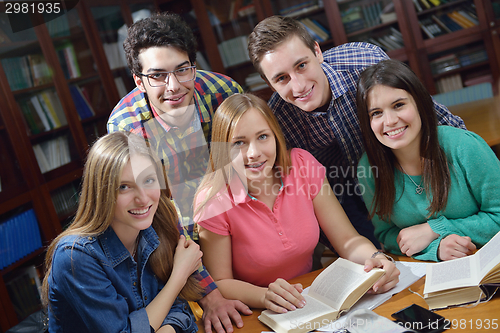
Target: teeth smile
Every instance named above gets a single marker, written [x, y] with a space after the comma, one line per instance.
[139, 211]
[255, 165]
[396, 131]
[306, 94]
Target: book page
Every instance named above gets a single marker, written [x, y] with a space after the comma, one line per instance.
[293, 319]
[463, 272]
[489, 255]
[338, 281]
[451, 274]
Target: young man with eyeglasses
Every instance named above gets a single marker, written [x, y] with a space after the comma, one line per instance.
[172, 107]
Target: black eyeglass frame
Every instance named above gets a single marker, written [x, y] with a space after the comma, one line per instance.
[165, 82]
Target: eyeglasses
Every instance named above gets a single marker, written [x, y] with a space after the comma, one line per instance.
[183, 74]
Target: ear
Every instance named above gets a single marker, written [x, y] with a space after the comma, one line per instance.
[317, 52]
[139, 83]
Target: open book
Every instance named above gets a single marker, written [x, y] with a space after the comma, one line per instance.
[461, 281]
[333, 291]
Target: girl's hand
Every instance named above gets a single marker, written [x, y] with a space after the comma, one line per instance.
[390, 278]
[455, 246]
[414, 239]
[187, 257]
[282, 296]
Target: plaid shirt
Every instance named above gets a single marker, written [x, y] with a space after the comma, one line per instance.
[184, 154]
[334, 137]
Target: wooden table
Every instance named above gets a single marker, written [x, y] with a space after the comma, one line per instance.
[469, 318]
[481, 117]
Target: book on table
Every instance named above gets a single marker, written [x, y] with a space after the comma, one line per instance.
[333, 291]
[464, 280]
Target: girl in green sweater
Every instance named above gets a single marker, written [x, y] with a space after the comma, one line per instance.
[433, 192]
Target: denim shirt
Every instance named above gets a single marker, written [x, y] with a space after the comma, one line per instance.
[96, 286]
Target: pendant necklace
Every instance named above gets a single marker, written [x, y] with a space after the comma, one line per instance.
[419, 188]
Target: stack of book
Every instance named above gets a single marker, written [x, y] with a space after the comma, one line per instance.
[24, 292]
[315, 29]
[352, 19]
[19, 236]
[43, 112]
[52, 154]
[449, 83]
[444, 64]
[391, 41]
[255, 82]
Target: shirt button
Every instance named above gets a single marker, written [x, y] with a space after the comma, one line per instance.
[281, 234]
[134, 283]
[145, 298]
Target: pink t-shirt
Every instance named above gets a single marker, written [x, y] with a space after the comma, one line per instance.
[266, 244]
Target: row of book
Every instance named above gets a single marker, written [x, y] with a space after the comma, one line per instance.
[437, 25]
[58, 27]
[19, 236]
[24, 291]
[421, 5]
[27, 71]
[393, 40]
[52, 154]
[449, 83]
[461, 59]
[67, 58]
[358, 17]
[81, 98]
[43, 112]
[301, 8]
[234, 51]
[315, 29]
[115, 55]
[65, 199]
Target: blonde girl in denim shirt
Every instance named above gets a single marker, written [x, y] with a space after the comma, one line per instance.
[121, 265]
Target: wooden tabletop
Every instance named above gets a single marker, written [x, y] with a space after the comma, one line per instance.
[481, 117]
[461, 319]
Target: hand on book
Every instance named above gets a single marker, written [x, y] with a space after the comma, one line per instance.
[414, 239]
[390, 278]
[455, 246]
[282, 296]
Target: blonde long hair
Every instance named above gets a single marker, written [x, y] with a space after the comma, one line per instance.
[220, 171]
[101, 179]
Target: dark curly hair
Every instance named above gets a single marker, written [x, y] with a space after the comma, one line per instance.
[161, 29]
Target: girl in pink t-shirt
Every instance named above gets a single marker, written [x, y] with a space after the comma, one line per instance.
[261, 210]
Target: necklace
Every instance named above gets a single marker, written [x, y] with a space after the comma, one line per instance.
[419, 188]
[135, 247]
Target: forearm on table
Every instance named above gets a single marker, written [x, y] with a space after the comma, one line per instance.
[252, 295]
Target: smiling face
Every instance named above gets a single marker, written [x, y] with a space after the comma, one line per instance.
[394, 118]
[295, 73]
[137, 198]
[172, 100]
[253, 147]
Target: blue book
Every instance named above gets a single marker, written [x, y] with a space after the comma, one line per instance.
[3, 242]
[452, 25]
[81, 104]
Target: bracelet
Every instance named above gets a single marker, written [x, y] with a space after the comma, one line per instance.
[385, 255]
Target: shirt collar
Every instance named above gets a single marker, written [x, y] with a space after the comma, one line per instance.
[338, 86]
[116, 252]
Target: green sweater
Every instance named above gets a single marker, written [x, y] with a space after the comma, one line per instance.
[473, 207]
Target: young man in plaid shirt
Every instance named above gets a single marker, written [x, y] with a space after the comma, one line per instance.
[315, 102]
[172, 107]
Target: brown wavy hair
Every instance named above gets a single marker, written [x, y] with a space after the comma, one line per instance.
[96, 208]
[435, 170]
